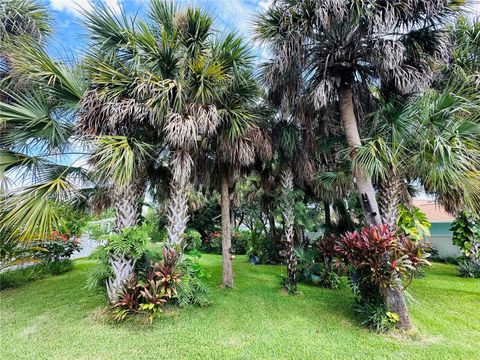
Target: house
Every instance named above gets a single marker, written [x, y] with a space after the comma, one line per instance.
[440, 234]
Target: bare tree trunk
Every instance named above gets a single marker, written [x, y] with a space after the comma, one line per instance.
[227, 270]
[178, 206]
[289, 221]
[395, 301]
[389, 194]
[363, 183]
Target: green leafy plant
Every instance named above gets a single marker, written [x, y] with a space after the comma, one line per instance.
[413, 222]
[14, 253]
[466, 234]
[192, 289]
[375, 317]
[192, 239]
[469, 269]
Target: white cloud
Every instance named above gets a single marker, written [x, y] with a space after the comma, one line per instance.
[75, 7]
[264, 4]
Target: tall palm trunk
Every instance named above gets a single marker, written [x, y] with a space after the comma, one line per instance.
[126, 204]
[178, 205]
[389, 194]
[227, 270]
[363, 183]
[127, 214]
[288, 203]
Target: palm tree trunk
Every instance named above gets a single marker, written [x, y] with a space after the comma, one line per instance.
[363, 183]
[126, 204]
[395, 302]
[127, 214]
[389, 194]
[178, 206]
[227, 270]
[289, 221]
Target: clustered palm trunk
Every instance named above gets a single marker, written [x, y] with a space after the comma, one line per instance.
[287, 206]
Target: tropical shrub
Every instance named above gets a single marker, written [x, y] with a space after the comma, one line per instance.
[413, 222]
[212, 244]
[192, 288]
[469, 269]
[263, 247]
[316, 265]
[14, 253]
[379, 260]
[59, 248]
[466, 234]
[132, 243]
[375, 317]
[192, 239]
[175, 279]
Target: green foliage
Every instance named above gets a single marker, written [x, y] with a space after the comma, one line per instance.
[207, 219]
[287, 285]
[175, 279]
[192, 288]
[131, 241]
[466, 234]
[192, 239]
[58, 267]
[375, 316]
[13, 252]
[306, 217]
[98, 274]
[413, 222]
[72, 221]
[266, 249]
[469, 269]
[59, 250]
[17, 277]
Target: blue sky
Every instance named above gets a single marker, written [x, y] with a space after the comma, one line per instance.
[70, 37]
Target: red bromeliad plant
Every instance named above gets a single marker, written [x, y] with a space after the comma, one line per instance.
[381, 260]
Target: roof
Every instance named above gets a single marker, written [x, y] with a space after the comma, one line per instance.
[434, 211]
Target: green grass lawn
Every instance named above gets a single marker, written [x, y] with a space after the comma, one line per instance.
[56, 318]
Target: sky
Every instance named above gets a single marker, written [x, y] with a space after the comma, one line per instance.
[70, 37]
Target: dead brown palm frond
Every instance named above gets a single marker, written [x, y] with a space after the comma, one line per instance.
[181, 165]
[237, 153]
[262, 142]
[181, 131]
[206, 117]
[102, 116]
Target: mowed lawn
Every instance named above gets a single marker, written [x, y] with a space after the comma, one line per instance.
[56, 318]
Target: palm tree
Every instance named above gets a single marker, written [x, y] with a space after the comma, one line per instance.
[239, 141]
[37, 125]
[339, 48]
[432, 137]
